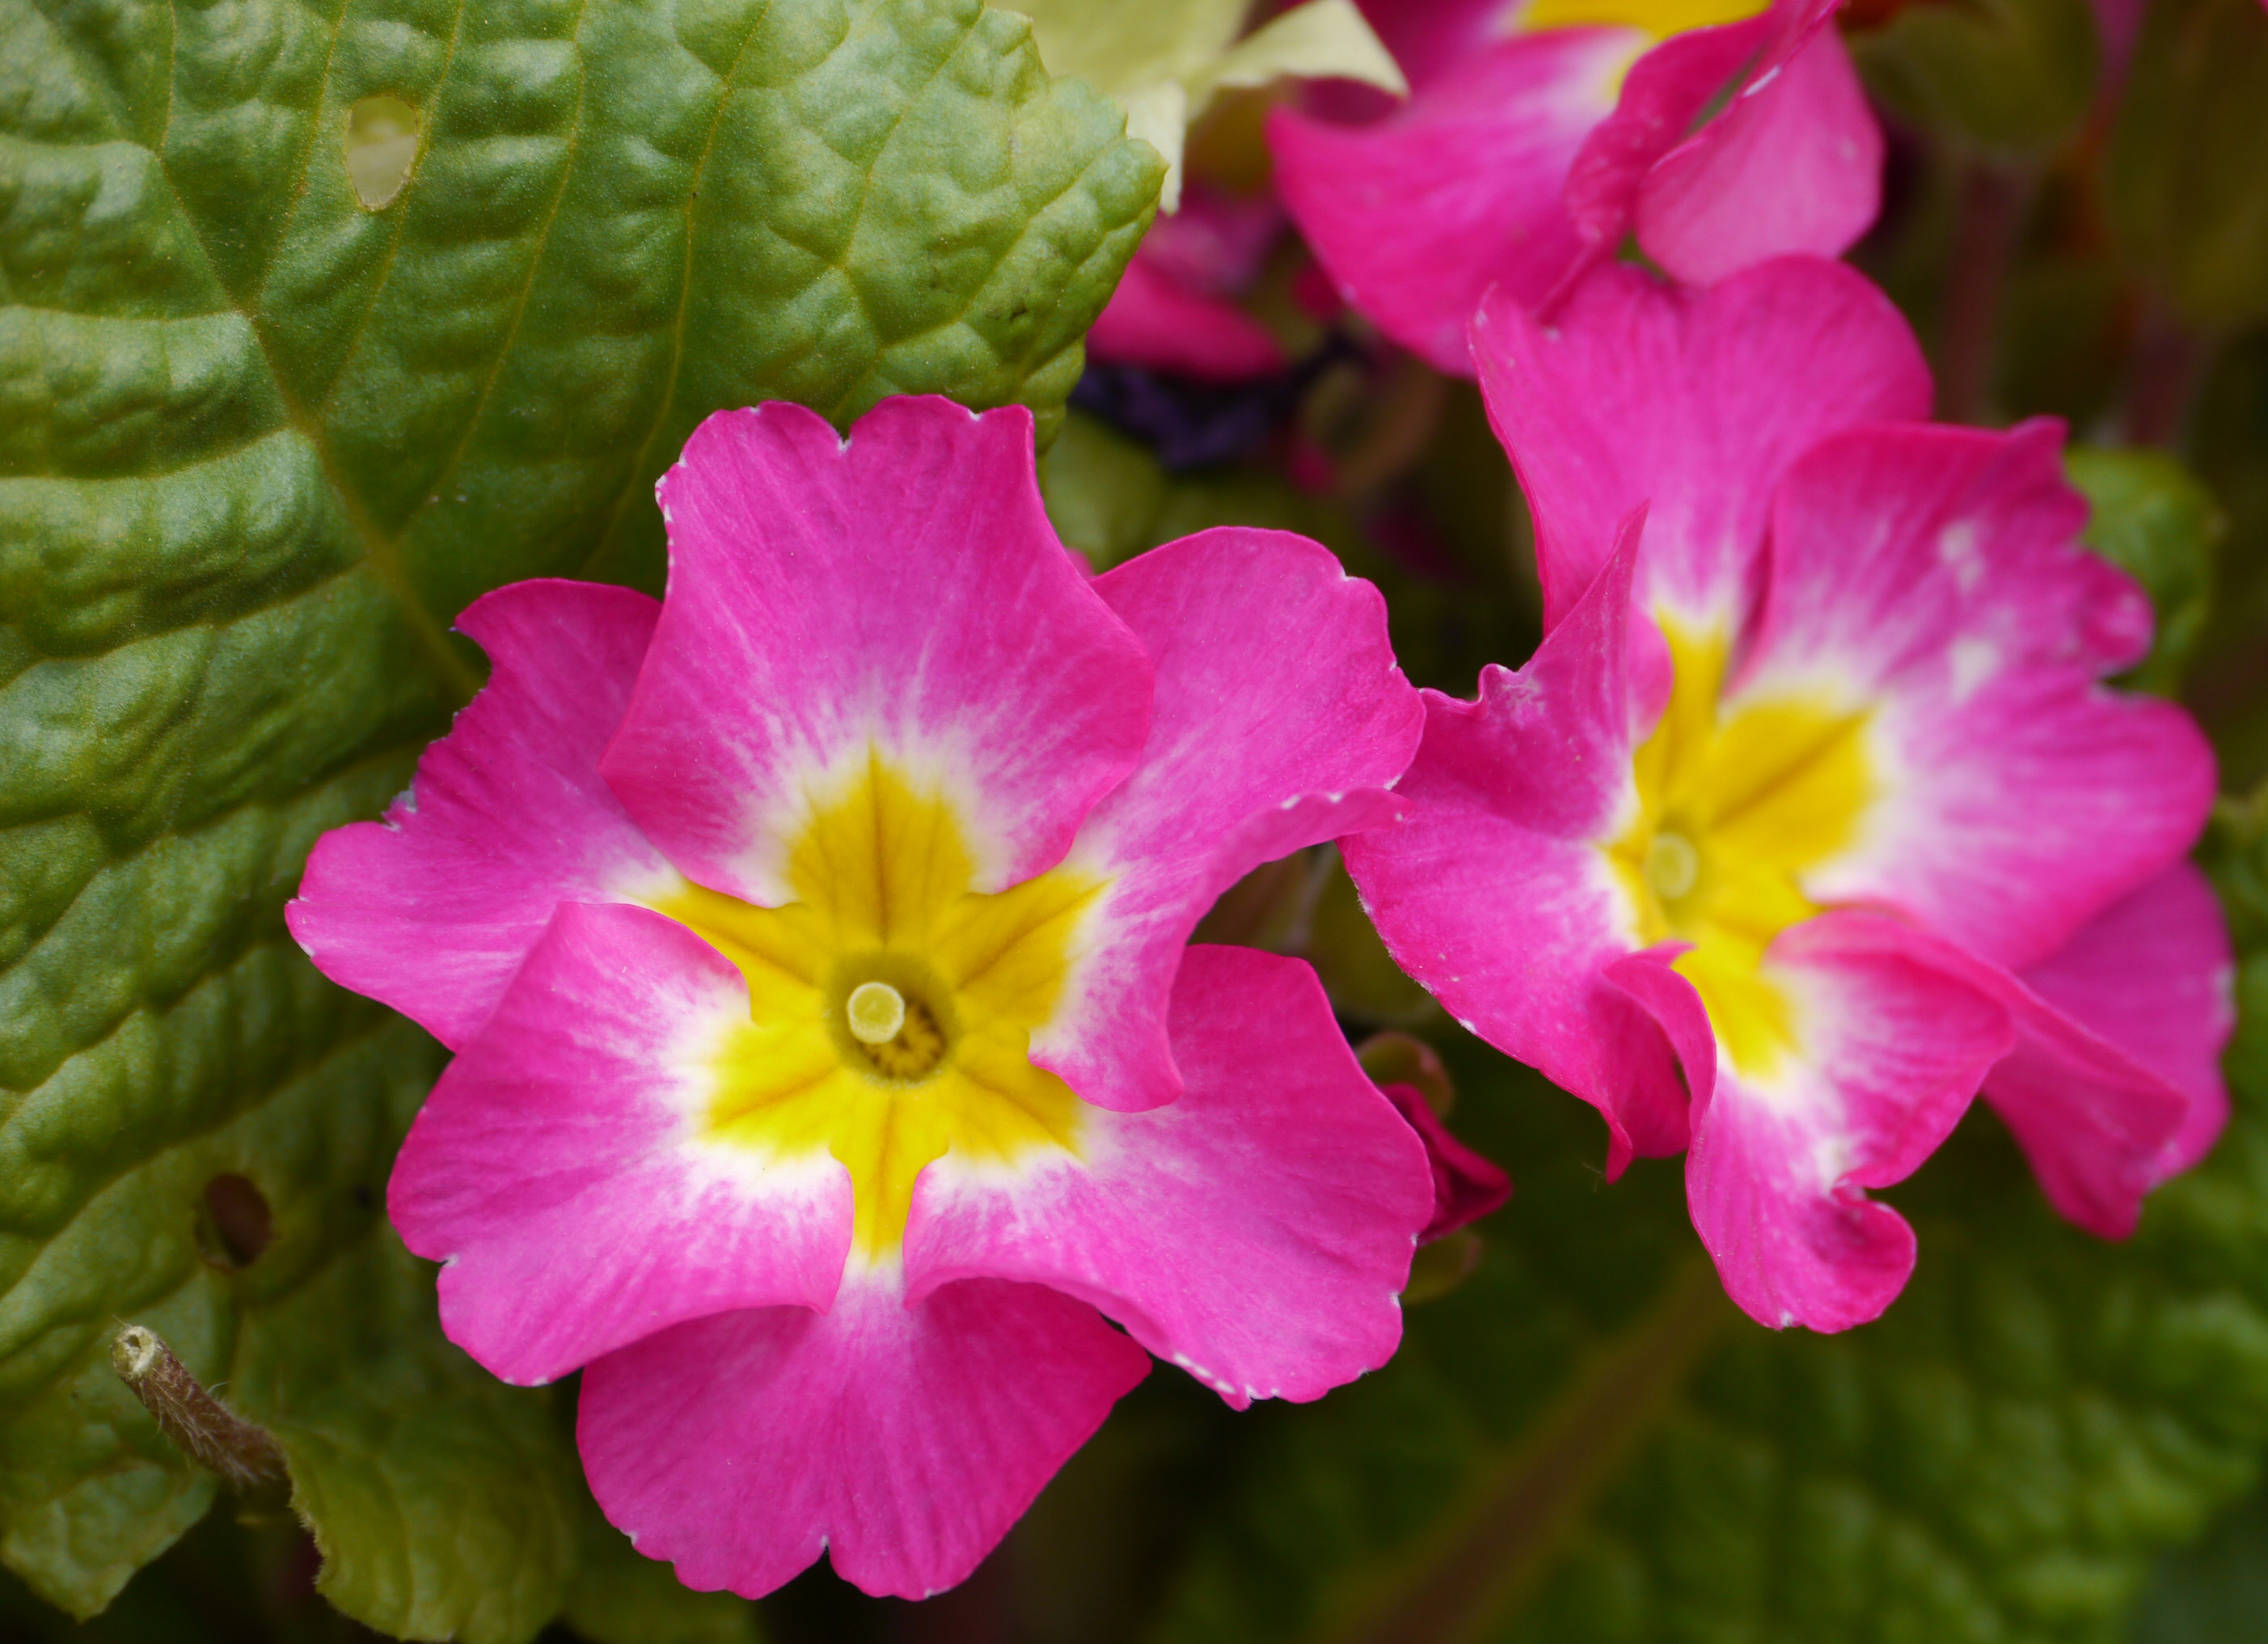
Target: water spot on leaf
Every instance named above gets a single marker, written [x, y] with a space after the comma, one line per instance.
[236, 1224]
[382, 147]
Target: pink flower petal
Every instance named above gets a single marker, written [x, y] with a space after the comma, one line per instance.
[1794, 164]
[1467, 1185]
[2018, 798]
[901, 589]
[902, 1440]
[2096, 1124]
[559, 1168]
[1691, 402]
[1892, 1051]
[1256, 1232]
[1280, 720]
[1418, 215]
[1494, 894]
[432, 909]
[1153, 321]
[2155, 974]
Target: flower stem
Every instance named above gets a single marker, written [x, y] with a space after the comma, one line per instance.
[243, 1454]
[1989, 220]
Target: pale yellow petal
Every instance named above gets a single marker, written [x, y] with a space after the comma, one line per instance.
[1321, 40]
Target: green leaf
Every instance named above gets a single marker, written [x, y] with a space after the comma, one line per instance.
[315, 322]
[2216, 1592]
[2010, 77]
[621, 1597]
[2183, 175]
[1588, 1443]
[2155, 519]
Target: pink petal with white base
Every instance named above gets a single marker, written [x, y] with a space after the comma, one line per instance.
[1892, 1053]
[1416, 217]
[1494, 894]
[560, 1170]
[1281, 718]
[1256, 1232]
[1794, 164]
[1933, 575]
[901, 589]
[2155, 974]
[433, 909]
[1690, 402]
[902, 1440]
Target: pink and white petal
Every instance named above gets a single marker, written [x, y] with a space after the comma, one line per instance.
[2096, 1124]
[900, 590]
[902, 1440]
[433, 909]
[2014, 796]
[1891, 1050]
[1495, 894]
[2155, 975]
[1793, 165]
[559, 1171]
[1281, 719]
[1467, 1185]
[1415, 218]
[1693, 402]
[1257, 1232]
[1152, 322]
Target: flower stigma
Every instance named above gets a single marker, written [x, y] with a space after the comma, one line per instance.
[876, 1012]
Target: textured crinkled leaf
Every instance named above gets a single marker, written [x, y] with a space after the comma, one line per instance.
[1585, 1443]
[2010, 76]
[2153, 518]
[2216, 1592]
[267, 421]
[2183, 175]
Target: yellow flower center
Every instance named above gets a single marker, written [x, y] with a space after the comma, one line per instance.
[1733, 807]
[891, 1007]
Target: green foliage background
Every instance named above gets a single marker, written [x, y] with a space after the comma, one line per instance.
[259, 443]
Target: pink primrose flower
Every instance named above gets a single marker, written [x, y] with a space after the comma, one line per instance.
[1811, 815]
[830, 1056]
[1538, 135]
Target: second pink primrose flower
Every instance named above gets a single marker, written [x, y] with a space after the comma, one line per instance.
[1812, 816]
[830, 1056]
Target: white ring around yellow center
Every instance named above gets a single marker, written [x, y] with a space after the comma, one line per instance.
[891, 1005]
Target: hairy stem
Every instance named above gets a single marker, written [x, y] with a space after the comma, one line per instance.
[243, 1454]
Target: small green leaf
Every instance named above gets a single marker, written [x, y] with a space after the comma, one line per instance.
[2155, 519]
[2183, 175]
[276, 399]
[2010, 77]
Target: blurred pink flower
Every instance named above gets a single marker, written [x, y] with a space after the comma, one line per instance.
[1537, 137]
